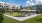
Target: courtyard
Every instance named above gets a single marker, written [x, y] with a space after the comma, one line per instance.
[20, 11]
[37, 19]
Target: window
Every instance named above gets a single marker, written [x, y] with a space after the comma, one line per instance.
[7, 6]
[4, 4]
[13, 7]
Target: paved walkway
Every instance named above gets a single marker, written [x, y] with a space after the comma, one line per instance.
[22, 18]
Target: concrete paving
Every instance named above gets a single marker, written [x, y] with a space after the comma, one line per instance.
[22, 18]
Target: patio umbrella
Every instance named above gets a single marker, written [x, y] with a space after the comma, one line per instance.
[23, 10]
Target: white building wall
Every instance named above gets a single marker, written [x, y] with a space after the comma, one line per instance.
[10, 5]
[3, 4]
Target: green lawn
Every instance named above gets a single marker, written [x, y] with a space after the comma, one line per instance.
[37, 19]
[14, 14]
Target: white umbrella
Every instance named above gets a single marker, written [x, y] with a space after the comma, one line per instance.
[24, 10]
[31, 10]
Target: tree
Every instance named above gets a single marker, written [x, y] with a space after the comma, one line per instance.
[37, 12]
[39, 9]
[27, 7]
[30, 7]
[21, 7]
[2, 10]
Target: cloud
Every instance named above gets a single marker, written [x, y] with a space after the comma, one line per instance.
[29, 3]
[38, 0]
[33, 2]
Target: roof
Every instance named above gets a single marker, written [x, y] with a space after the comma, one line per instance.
[27, 10]
[31, 10]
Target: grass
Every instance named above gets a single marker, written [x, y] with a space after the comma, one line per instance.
[9, 20]
[37, 19]
[14, 14]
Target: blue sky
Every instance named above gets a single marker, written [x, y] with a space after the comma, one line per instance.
[20, 2]
[23, 2]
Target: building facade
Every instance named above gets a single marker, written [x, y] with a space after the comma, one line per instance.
[9, 6]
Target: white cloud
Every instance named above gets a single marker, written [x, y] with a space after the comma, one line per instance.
[27, 1]
[31, 2]
[39, 0]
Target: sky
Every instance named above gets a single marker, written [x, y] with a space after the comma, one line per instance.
[23, 2]
[33, 2]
